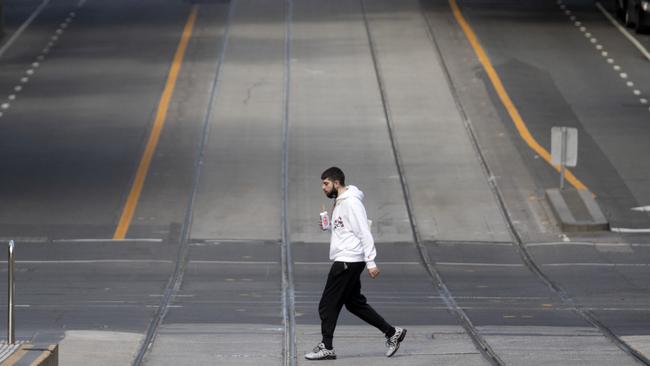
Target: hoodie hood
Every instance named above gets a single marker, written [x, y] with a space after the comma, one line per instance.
[352, 191]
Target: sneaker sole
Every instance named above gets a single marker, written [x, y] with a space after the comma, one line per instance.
[399, 341]
[322, 359]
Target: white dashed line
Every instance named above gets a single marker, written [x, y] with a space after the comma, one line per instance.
[45, 51]
[627, 34]
[600, 47]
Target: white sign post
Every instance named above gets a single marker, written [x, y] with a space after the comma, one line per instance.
[564, 149]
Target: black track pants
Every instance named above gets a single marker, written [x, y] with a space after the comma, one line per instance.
[344, 288]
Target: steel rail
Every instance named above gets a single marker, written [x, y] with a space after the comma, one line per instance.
[480, 343]
[518, 242]
[176, 279]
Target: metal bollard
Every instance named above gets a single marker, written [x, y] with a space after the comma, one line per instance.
[11, 331]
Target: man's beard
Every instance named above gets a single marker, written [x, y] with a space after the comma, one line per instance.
[333, 193]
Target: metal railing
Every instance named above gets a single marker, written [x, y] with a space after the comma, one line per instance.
[11, 330]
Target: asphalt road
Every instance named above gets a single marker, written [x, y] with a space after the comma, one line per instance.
[222, 253]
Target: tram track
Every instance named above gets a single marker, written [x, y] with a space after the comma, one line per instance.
[517, 241]
[182, 256]
[431, 269]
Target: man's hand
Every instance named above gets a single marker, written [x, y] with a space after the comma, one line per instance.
[373, 272]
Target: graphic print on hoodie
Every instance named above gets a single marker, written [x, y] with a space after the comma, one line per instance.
[351, 238]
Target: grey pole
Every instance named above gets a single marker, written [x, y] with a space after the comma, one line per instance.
[563, 156]
[11, 331]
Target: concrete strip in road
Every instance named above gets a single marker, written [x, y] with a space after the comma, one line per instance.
[211, 344]
[336, 118]
[98, 348]
[423, 345]
[451, 197]
[239, 193]
[641, 343]
[530, 345]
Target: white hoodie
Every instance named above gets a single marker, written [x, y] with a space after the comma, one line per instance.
[351, 238]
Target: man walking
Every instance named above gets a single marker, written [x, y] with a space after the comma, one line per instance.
[352, 249]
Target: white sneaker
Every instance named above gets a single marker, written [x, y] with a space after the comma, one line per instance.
[393, 342]
[321, 353]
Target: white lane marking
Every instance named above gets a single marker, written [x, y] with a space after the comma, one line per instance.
[24, 79]
[627, 34]
[479, 264]
[643, 101]
[630, 84]
[637, 92]
[596, 265]
[5, 106]
[107, 241]
[22, 28]
[233, 262]
[92, 261]
[29, 72]
[18, 88]
[12, 97]
[610, 60]
[81, 3]
[605, 53]
[617, 68]
[595, 245]
[629, 231]
[641, 208]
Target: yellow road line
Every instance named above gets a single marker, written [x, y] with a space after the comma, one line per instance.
[159, 122]
[505, 98]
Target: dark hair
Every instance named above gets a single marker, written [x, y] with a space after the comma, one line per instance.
[333, 174]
